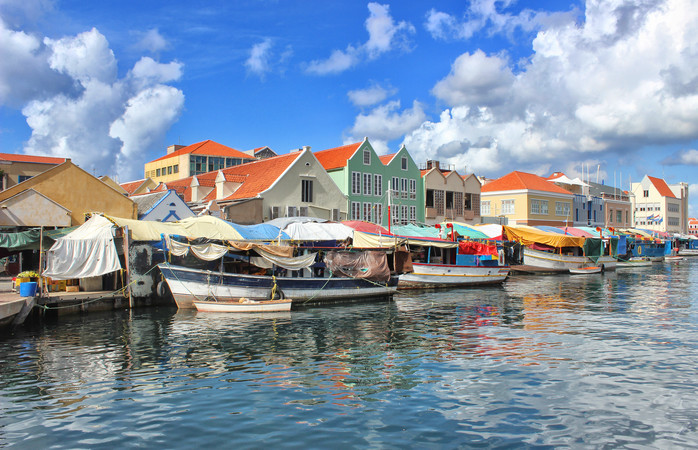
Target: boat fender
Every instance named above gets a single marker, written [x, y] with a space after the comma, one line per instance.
[162, 288]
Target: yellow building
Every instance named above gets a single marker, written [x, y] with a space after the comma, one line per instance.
[526, 199]
[182, 162]
[17, 168]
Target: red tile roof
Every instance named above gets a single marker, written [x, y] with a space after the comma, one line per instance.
[259, 175]
[334, 158]
[522, 180]
[662, 187]
[207, 147]
[131, 186]
[13, 157]
[385, 159]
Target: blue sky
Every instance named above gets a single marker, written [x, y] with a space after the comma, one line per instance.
[487, 86]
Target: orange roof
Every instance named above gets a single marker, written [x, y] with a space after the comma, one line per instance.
[522, 180]
[334, 158]
[259, 175]
[31, 159]
[662, 187]
[207, 147]
[385, 159]
[131, 186]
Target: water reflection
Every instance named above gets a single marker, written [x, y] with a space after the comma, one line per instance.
[541, 360]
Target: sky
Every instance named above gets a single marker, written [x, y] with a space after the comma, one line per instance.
[607, 88]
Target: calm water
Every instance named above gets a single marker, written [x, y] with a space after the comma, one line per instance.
[580, 361]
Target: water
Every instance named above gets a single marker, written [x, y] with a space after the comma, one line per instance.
[558, 361]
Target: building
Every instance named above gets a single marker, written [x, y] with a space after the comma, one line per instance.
[294, 184]
[693, 226]
[15, 169]
[61, 196]
[138, 186]
[617, 207]
[450, 196]
[371, 183]
[588, 206]
[261, 153]
[659, 207]
[202, 157]
[526, 199]
[161, 206]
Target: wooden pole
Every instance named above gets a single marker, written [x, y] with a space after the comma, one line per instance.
[126, 263]
[41, 260]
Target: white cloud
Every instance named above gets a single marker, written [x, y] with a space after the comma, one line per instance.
[258, 62]
[384, 36]
[385, 123]
[105, 124]
[623, 79]
[152, 41]
[371, 95]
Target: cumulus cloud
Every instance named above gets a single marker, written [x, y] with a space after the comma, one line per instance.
[385, 123]
[152, 41]
[681, 158]
[622, 79]
[371, 95]
[384, 35]
[105, 124]
[264, 59]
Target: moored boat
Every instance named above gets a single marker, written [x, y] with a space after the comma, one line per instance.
[243, 305]
[634, 262]
[585, 270]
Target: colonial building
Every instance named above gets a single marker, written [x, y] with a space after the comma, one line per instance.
[660, 207]
[693, 226]
[617, 207]
[161, 206]
[588, 206]
[526, 199]
[17, 168]
[370, 183]
[60, 197]
[202, 157]
[294, 184]
[138, 186]
[450, 196]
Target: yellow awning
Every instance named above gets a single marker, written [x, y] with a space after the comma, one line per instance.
[529, 235]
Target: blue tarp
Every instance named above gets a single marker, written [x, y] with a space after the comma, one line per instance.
[622, 245]
[259, 232]
[550, 229]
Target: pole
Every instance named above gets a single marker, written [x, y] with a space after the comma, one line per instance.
[41, 260]
[128, 271]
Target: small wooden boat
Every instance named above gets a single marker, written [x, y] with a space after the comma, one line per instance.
[243, 305]
[585, 270]
[673, 258]
[632, 262]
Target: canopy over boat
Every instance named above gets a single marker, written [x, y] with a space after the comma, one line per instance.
[311, 231]
[531, 235]
[492, 230]
[371, 240]
[415, 230]
[467, 230]
[366, 227]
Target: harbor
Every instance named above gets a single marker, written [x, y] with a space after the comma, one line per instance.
[539, 361]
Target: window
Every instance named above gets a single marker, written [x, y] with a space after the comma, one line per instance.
[404, 163]
[508, 207]
[413, 214]
[430, 199]
[403, 189]
[627, 216]
[378, 213]
[169, 170]
[21, 178]
[367, 184]
[619, 216]
[405, 212]
[307, 191]
[355, 211]
[539, 206]
[458, 203]
[157, 172]
[485, 207]
[645, 193]
[175, 168]
[413, 189]
[439, 202]
[449, 200]
[396, 214]
[395, 185]
[377, 185]
[563, 209]
[367, 212]
[367, 157]
[356, 182]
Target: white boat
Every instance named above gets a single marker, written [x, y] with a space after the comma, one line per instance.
[634, 262]
[673, 258]
[243, 305]
[563, 263]
[451, 275]
[688, 252]
[585, 270]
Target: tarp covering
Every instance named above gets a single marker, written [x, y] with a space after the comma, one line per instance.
[368, 240]
[574, 231]
[22, 240]
[207, 252]
[593, 249]
[278, 250]
[415, 230]
[367, 227]
[312, 231]
[622, 245]
[294, 263]
[283, 222]
[550, 229]
[492, 230]
[530, 235]
[259, 232]
[371, 265]
[192, 227]
[88, 251]
[476, 248]
[467, 231]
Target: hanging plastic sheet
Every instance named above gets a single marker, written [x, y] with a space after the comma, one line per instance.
[371, 265]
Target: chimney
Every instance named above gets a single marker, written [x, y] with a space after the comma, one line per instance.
[306, 147]
[174, 148]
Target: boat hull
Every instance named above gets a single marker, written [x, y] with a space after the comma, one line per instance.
[243, 306]
[554, 262]
[448, 275]
[585, 270]
[188, 285]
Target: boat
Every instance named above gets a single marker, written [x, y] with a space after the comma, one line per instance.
[673, 258]
[558, 262]
[339, 276]
[634, 262]
[243, 305]
[585, 270]
[463, 264]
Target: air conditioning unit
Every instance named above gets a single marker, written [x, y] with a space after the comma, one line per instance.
[274, 212]
[303, 210]
[335, 215]
[291, 211]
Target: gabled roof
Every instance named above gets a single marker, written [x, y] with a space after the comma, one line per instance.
[516, 180]
[337, 157]
[259, 175]
[385, 159]
[146, 201]
[12, 157]
[207, 147]
[132, 186]
[661, 186]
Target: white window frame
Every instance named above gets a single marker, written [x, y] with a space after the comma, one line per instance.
[367, 184]
[404, 164]
[485, 208]
[378, 213]
[356, 183]
[413, 214]
[403, 187]
[562, 209]
[405, 216]
[377, 185]
[508, 206]
[413, 189]
[396, 214]
[367, 157]
[355, 210]
[367, 207]
[395, 185]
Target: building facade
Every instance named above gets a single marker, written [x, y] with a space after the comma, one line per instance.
[15, 169]
[185, 161]
[656, 207]
[450, 196]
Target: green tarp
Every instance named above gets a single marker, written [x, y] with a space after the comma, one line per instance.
[29, 240]
[593, 249]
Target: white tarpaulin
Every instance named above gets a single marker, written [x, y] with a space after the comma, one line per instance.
[311, 231]
[89, 251]
[208, 252]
